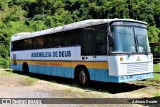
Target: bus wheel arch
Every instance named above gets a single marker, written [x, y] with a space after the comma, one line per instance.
[25, 68]
[81, 75]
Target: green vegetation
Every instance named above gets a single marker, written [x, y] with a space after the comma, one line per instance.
[157, 94]
[33, 15]
[156, 68]
[157, 72]
[20, 79]
[156, 79]
[6, 73]
[30, 80]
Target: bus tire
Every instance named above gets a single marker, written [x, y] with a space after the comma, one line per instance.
[25, 68]
[83, 77]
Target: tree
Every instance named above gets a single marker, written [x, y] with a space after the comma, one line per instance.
[33, 15]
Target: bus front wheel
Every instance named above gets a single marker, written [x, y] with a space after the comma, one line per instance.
[83, 77]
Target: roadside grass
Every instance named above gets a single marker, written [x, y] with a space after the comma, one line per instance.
[30, 80]
[25, 80]
[156, 67]
[7, 73]
[79, 90]
[84, 92]
[157, 94]
[156, 78]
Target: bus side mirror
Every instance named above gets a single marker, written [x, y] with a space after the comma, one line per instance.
[111, 39]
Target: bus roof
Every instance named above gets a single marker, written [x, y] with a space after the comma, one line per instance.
[76, 25]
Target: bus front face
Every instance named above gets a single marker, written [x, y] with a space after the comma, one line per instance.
[131, 58]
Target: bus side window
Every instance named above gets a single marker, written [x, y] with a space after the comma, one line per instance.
[87, 42]
[20, 45]
[71, 38]
[27, 44]
[38, 42]
[100, 42]
[13, 44]
[16, 46]
[57, 40]
[53, 40]
[49, 41]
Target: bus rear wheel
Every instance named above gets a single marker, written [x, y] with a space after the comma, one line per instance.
[25, 68]
[83, 77]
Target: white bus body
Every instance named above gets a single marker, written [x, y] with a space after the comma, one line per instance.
[128, 58]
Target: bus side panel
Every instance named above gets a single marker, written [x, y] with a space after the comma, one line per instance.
[91, 73]
[101, 75]
[17, 67]
[54, 70]
[47, 70]
[33, 68]
[64, 69]
[69, 71]
[101, 71]
[64, 72]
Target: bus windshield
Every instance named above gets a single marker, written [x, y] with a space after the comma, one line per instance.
[130, 39]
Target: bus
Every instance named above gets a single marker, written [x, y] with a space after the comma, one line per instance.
[105, 50]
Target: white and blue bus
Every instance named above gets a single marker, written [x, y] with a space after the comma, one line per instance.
[107, 50]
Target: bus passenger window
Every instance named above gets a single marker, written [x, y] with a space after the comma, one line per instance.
[53, 40]
[87, 42]
[38, 43]
[100, 43]
[57, 40]
[71, 38]
[49, 41]
[29, 43]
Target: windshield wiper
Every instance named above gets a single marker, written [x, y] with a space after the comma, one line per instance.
[140, 45]
[145, 51]
[137, 46]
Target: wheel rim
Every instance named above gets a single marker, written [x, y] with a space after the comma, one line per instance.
[82, 77]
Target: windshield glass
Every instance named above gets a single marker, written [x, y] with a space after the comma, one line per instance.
[128, 39]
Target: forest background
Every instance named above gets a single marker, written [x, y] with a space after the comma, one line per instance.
[33, 15]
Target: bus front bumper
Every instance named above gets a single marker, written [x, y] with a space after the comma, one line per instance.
[128, 78]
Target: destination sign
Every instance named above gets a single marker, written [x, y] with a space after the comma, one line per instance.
[52, 54]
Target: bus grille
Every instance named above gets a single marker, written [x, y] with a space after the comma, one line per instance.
[135, 68]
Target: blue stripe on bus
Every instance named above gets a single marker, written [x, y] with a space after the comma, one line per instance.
[95, 74]
[52, 70]
[17, 67]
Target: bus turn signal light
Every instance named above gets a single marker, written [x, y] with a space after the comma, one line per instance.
[121, 58]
